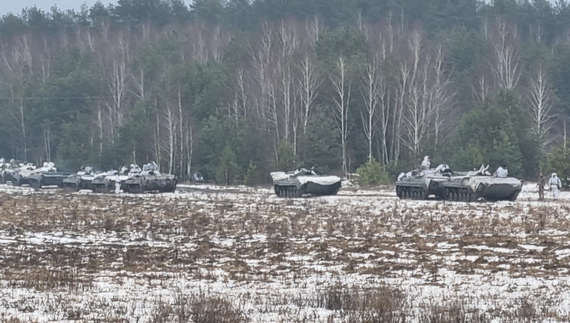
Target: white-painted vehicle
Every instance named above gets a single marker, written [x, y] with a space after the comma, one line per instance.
[303, 181]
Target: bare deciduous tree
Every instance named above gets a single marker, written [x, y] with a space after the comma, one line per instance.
[309, 84]
[440, 97]
[261, 60]
[506, 64]
[342, 87]
[371, 94]
[386, 117]
[540, 104]
[20, 116]
[419, 111]
[170, 145]
[115, 59]
[481, 89]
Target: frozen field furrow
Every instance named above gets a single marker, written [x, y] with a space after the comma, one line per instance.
[89, 257]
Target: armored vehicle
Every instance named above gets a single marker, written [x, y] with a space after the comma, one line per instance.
[7, 170]
[47, 176]
[421, 184]
[480, 184]
[105, 182]
[457, 186]
[149, 179]
[303, 181]
[18, 175]
[80, 181]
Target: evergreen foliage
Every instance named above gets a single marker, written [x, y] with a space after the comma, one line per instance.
[236, 89]
[372, 173]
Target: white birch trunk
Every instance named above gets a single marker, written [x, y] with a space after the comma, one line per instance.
[342, 88]
[370, 94]
[540, 106]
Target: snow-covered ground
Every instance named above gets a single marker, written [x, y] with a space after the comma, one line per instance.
[86, 256]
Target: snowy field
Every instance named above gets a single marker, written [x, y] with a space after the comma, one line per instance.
[216, 254]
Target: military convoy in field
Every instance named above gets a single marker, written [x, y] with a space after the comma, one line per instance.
[440, 183]
[134, 180]
[457, 186]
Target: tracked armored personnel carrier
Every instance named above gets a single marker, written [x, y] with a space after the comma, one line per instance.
[480, 184]
[18, 175]
[105, 182]
[80, 181]
[47, 176]
[149, 179]
[7, 170]
[421, 184]
[457, 186]
[303, 181]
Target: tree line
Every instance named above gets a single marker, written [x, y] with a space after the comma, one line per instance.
[235, 89]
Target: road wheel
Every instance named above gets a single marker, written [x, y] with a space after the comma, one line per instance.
[399, 192]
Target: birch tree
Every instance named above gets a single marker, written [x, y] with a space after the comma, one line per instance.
[309, 86]
[441, 98]
[169, 145]
[386, 115]
[289, 44]
[481, 89]
[506, 64]
[342, 90]
[261, 60]
[419, 111]
[540, 106]
[400, 107]
[115, 60]
[370, 94]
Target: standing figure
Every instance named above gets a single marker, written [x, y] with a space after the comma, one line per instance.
[541, 183]
[426, 163]
[555, 185]
[117, 184]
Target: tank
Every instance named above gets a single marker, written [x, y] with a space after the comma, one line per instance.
[457, 186]
[81, 181]
[303, 181]
[46, 176]
[149, 179]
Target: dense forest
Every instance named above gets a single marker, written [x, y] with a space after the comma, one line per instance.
[235, 89]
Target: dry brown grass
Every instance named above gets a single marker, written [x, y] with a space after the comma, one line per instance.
[255, 239]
